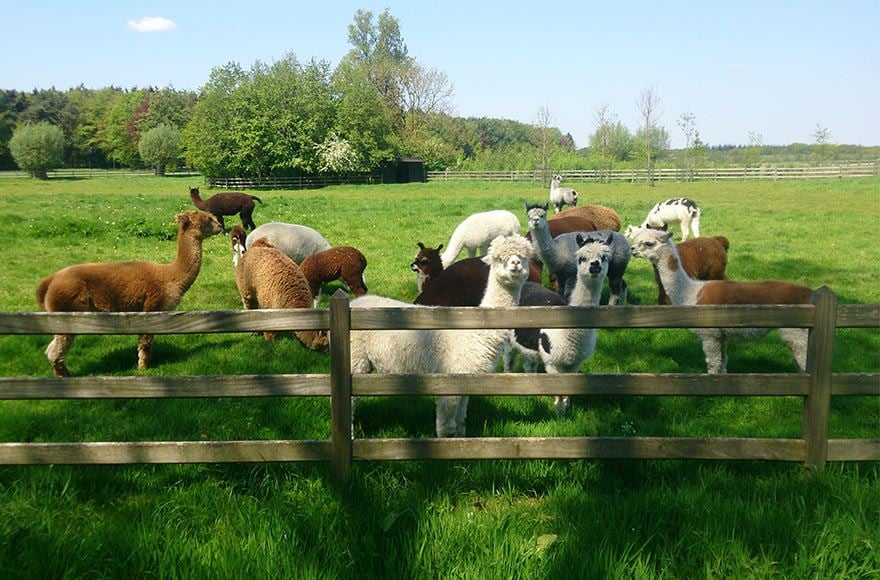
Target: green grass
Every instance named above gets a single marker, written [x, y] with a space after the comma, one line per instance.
[499, 519]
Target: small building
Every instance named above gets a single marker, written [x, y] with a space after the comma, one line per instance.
[404, 170]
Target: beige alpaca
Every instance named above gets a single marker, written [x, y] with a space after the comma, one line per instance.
[127, 286]
[267, 278]
[603, 218]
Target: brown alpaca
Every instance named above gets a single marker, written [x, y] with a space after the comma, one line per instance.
[227, 203]
[602, 218]
[267, 278]
[463, 283]
[127, 286]
[342, 262]
[701, 258]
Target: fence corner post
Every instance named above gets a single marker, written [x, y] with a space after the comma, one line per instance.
[820, 352]
[340, 386]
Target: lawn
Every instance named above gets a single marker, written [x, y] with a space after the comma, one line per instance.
[432, 519]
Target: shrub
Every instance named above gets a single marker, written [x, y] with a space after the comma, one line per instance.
[37, 148]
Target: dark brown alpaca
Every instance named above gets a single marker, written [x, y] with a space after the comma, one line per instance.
[227, 203]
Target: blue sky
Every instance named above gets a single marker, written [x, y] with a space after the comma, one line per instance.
[773, 68]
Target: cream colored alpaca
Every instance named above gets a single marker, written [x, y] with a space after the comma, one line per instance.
[127, 286]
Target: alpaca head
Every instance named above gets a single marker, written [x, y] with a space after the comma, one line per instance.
[202, 223]
[651, 244]
[557, 179]
[508, 258]
[593, 256]
[238, 236]
[427, 260]
[535, 214]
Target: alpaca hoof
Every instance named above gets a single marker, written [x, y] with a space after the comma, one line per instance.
[562, 404]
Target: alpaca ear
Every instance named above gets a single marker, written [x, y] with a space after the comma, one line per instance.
[421, 245]
[609, 241]
[182, 219]
[545, 207]
[665, 236]
[440, 247]
[487, 259]
[580, 240]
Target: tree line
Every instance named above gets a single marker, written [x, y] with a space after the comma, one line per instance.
[293, 118]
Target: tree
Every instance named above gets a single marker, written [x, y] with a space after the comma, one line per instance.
[822, 138]
[544, 118]
[37, 147]
[752, 153]
[687, 124]
[159, 147]
[423, 92]
[611, 140]
[648, 104]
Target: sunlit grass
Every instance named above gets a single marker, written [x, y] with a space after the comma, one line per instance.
[434, 519]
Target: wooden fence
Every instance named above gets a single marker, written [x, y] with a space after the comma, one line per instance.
[671, 174]
[305, 182]
[90, 173]
[816, 387]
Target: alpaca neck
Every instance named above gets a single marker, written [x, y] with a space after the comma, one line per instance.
[587, 291]
[186, 265]
[678, 285]
[498, 295]
[197, 199]
[544, 244]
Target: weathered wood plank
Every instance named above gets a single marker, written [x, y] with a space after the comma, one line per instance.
[797, 316]
[855, 384]
[858, 315]
[111, 453]
[171, 322]
[165, 387]
[340, 385]
[820, 353]
[854, 450]
[680, 385]
[578, 448]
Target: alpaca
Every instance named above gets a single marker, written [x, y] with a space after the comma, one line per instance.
[446, 351]
[227, 203]
[463, 283]
[701, 258]
[560, 254]
[564, 350]
[338, 262]
[658, 247]
[679, 210]
[476, 231]
[127, 286]
[267, 278]
[560, 196]
[602, 218]
[296, 241]
[237, 236]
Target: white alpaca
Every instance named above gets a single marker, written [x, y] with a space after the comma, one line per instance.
[560, 196]
[680, 210]
[446, 351]
[564, 350]
[296, 241]
[658, 247]
[477, 231]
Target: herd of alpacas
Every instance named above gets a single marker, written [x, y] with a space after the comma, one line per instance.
[282, 265]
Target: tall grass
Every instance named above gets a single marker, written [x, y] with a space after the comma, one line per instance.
[423, 519]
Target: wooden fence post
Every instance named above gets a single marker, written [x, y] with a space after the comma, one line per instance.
[817, 404]
[340, 385]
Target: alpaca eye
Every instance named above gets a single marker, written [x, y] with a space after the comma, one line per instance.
[649, 244]
[581, 260]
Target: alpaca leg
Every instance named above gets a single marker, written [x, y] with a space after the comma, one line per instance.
[447, 409]
[56, 351]
[509, 357]
[695, 226]
[618, 291]
[715, 350]
[461, 416]
[685, 226]
[222, 223]
[472, 252]
[797, 340]
[145, 346]
[247, 220]
[561, 402]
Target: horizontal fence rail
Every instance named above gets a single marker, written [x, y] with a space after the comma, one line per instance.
[815, 387]
[670, 174]
[90, 173]
[305, 182]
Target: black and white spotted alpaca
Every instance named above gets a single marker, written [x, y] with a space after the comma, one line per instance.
[679, 210]
[560, 196]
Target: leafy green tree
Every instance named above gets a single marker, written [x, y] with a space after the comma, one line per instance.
[37, 147]
[159, 147]
[119, 137]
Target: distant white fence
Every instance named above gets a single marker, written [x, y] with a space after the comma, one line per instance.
[89, 173]
[671, 174]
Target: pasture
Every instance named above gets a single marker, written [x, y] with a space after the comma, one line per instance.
[497, 518]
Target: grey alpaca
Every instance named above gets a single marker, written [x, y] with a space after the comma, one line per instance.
[559, 254]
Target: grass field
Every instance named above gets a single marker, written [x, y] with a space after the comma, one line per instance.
[435, 519]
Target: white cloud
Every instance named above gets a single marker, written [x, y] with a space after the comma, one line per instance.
[152, 24]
